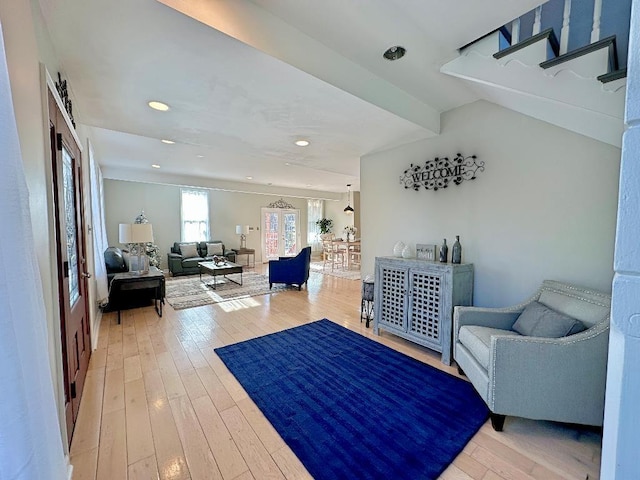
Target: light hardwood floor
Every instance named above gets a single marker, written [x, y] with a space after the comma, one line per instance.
[159, 403]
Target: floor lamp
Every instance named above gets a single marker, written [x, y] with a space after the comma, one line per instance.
[138, 233]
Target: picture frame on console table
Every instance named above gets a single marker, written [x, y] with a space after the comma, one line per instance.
[426, 251]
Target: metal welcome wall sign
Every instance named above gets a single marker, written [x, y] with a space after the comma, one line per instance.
[441, 172]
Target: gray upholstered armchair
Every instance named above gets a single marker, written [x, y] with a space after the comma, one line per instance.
[559, 379]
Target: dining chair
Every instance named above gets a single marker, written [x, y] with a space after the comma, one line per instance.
[331, 253]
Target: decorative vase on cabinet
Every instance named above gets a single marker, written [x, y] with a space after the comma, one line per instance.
[456, 251]
[414, 299]
[444, 251]
[397, 249]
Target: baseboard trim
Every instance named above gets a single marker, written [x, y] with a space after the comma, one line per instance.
[95, 328]
[69, 467]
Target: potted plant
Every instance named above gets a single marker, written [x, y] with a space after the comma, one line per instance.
[325, 225]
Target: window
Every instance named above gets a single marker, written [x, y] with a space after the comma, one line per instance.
[314, 213]
[194, 215]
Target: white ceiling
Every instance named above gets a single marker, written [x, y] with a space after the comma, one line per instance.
[245, 79]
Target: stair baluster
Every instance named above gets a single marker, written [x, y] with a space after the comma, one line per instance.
[515, 31]
[597, 13]
[537, 22]
[564, 32]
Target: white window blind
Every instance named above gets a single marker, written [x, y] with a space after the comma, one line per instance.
[194, 215]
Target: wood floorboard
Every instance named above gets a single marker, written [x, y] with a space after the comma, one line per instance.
[112, 453]
[86, 435]
[170, 458]
[85, 464]
[159, 403]
[200, 460]
[222, 444]
[139, 437]
[144, 469]
[192, 384]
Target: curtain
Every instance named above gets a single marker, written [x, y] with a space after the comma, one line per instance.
[99, 230]
[30, 438]
[315, 211]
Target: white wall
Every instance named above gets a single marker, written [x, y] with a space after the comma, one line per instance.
[335, 211]
[161, 204]
[545, 206]
[123, 202]
[621, 419]
[20, 36]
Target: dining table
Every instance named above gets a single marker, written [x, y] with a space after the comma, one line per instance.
[349, 246]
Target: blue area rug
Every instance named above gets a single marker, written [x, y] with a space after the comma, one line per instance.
[352, 408]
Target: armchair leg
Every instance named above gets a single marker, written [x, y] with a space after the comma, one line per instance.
[270, 285]
[460, 371]
[299, 287]
[497, 421]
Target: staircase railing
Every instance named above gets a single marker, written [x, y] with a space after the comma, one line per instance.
[579, 23]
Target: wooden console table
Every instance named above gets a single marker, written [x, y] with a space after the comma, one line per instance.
[124, 283]
[248, 252]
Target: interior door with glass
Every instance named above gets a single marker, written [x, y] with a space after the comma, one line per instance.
[71, 261]
[280, 233]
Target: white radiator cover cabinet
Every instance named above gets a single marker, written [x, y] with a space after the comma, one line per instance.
[414, 299]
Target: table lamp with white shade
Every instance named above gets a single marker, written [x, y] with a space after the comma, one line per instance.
[138, 233]
[242, 230]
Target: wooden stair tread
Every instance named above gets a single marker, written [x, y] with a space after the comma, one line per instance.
[614, 75]
[548, 34]
[609, 42]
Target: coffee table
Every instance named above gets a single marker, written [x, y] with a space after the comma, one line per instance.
[223, 269]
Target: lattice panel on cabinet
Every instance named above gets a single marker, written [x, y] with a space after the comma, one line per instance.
[425, 318]
[393, 293]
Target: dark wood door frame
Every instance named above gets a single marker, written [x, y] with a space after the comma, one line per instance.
[70, 260]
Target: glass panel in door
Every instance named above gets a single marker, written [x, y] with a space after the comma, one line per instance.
[280, 233]
[271, 230]
[290, 234]
[70, 222]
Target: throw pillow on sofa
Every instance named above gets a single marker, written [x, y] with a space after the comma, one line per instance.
[538, 320]
[214, 249]
[189, 250]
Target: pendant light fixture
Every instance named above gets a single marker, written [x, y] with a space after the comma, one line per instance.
[348, 210]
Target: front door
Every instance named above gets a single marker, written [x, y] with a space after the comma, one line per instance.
[71, 261]
[280, 233]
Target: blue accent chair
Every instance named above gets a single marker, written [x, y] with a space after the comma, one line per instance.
[291, 270]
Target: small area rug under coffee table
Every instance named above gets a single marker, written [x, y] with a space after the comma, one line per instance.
[351, 408]
[189, 291]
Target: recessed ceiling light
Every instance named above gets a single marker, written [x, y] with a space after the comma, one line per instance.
[309, 185]
[155, 165]
[302, 143]
[168, 142]
[162, 107]
[249, 178]
[287, 163]
[395, 53]
[200, 156]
